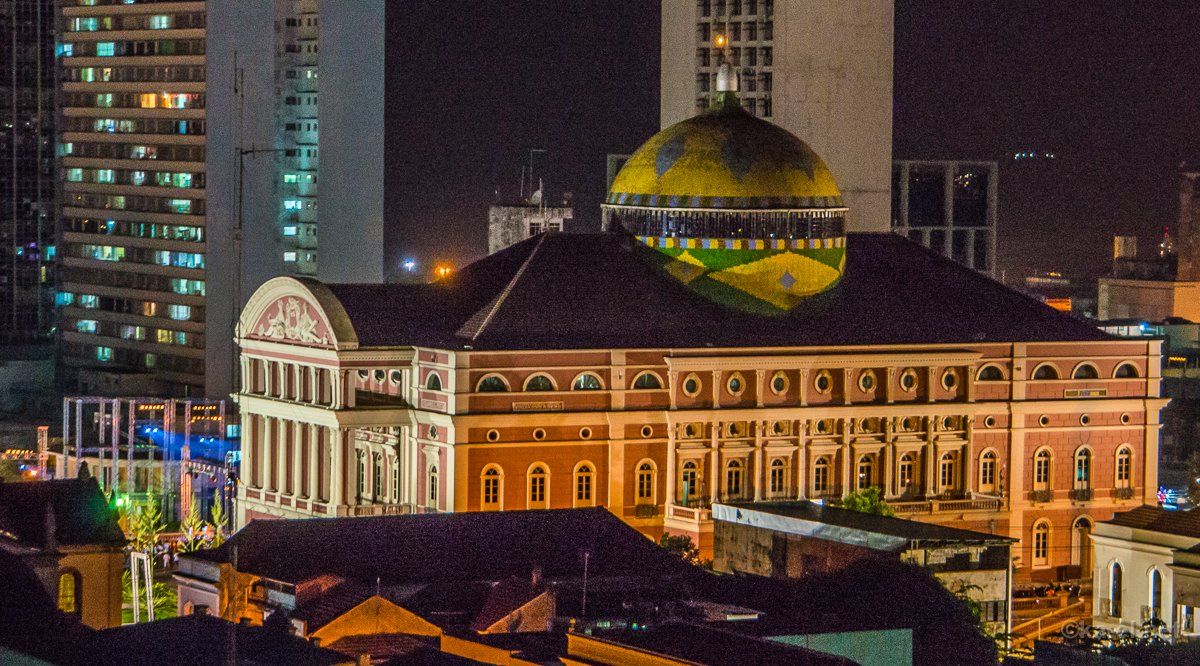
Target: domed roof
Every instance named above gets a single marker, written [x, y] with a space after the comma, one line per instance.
[725, 158]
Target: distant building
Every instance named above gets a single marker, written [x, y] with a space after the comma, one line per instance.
[796, 539]
[27, 169]
[1135, 574]
[67, 533]
[797, 71]
[950, 207]
[511, 223]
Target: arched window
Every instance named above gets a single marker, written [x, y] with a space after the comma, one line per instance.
[990, 373]
[987, 471]
[1045, 371]
[491, 487]
[584, 478]
[645, 482]
[1041, 543]
[433, 382]
[1116, 589]
[821, 475]
[735, 476]
[70, 592]
[1124, 474]
[1085, 371]
[1041, 470]
[588, 381]
[904, 475]
[948, 471]
[1081, 544]
[1126, 371]
[539, 382]
[778, 477]
[689, 481]
[539, 479]
[1156, 585]
[866, 472]
[361, 486]
[647, 381]
[492, 384]
[1083, 469]
[377, 475]
[431, 484]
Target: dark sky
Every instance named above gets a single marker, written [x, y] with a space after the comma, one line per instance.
[1111, 86]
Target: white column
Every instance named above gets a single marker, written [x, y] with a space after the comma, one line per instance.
[268, 452]
[714, 470]
[312, 483]
[672, 472]
[759, 477]
[337, 472]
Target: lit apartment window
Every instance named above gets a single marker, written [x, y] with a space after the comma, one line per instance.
[162, 22]
[289, 230]
[179, 312]
[105, 48]
[86, 325]
[181, 206]
[293, 204]
[290, 178]
[289, 257]
[104, 354]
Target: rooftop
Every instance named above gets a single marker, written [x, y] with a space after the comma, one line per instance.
[76, 509]
[705, 644]
[432, 548]
[1158, 519]
[846, 526]
[203, 640]
[560, 291]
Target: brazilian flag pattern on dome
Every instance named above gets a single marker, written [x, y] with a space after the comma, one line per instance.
[764, 277]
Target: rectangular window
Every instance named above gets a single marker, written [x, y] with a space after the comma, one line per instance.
[104, 49]
[104, 354]
[290, 178]
[179, 312]
[181, 206]
[104, 175]
[87, 325]
[161, 22]
[289, 230]
[293, 204]
[289, 257]
[89, 301]
[75, 175]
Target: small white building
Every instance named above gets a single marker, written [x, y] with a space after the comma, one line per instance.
[1133, 579]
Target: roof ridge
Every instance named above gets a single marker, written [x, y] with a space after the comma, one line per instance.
[475, 326]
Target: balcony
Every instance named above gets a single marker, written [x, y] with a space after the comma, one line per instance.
[386, 510]
[1041, 496]
[1123, 493]
[947, 506]
[645, 510]
[690, 515]
[1081, 494]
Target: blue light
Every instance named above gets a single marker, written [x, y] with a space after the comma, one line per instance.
[410, 265]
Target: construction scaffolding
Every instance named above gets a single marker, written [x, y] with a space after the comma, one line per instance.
[149, 449]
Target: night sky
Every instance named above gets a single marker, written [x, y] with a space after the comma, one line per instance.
[1110, 86]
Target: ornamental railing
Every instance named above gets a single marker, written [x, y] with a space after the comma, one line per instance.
[1081, 494]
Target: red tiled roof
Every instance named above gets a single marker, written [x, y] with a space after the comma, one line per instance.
[1157, 519]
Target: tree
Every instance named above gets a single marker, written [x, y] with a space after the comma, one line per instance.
[166, 599]
[192, 528]
[146, 526]
[1193, 488]
[682, 546]
[218, 520]
[869, 500]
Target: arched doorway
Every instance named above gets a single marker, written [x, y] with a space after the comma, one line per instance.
[1081, 545]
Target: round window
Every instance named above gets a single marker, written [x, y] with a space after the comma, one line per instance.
[585, 433]
[822, 427]
[779, 383]
[947, 423]
[433, 432]
[691, 386]
[910, 424]
[1084, 419]
[689, 430]
[866, 381]
[778, 428]
[989, 421]
[735, 430]
[539, 434]
[1044, 420]
[734, 385]
[1125, 419]
[949, 380]
[380, 375]
[396, 376]
[823, 382]
[363, 374]
[647, 431]
[493, 435]
[908, 380]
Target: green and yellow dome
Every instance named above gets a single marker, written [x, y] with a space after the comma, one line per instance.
[738, 209]
[725, 159]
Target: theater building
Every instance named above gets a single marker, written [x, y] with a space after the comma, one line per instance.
[723, 340]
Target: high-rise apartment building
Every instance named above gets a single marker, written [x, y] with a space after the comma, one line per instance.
[296, 68]
[133, 275]
[26, 168]
[821, 69]
[950, 207]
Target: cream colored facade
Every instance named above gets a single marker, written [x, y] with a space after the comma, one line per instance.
[821, 69]
[1149, 300]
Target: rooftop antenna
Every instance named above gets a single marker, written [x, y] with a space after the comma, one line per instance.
[532, 153]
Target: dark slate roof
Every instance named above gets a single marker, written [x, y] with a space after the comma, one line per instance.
[580, 291]
[1158, 519]
[706, 644]
[81, 513]
[201, 640]
[430, 548]
[897, 527]
[397, 649]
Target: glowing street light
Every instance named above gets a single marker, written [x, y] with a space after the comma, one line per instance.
[720, 40]
[443, 271]
[409, 265]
